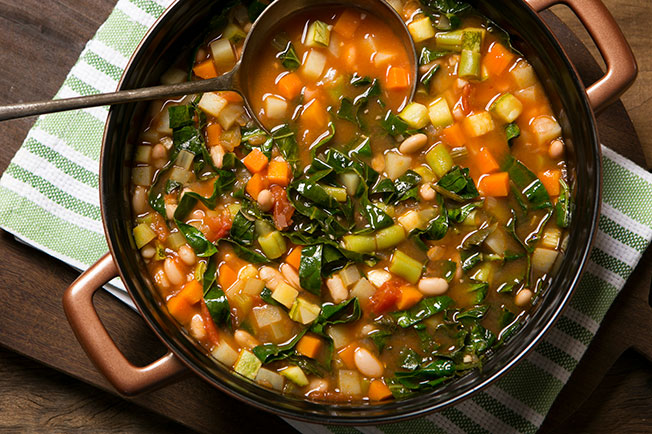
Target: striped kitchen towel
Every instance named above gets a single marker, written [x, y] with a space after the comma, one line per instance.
[49, 199]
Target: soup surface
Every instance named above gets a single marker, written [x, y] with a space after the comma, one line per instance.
[371, 246]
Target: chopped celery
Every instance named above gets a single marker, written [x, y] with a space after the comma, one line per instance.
[439, 113]
[253, 287]
[459, 152]
[142, 154]
[200, 269]
[406, 267]
[415, 115]
[389, 237]
[451, 41]
[233, 33]
[223, 55]
[421, 29]
[143, 234]
[350, 181]
[180, 175]
[359, 243]
[285, 294]
[141, 175]
[483, 273]
[339, 194]
[507, 108]
[263, 228]
[303, 311]
[472, 39]
[349, 275]
[184, 159]
[386, 208]
[426, 174]
[234, 209]
[296, 375]
[161, 255]
[273, 244]
[247, 364]
[319, 34]
[439, 160]
[176, 240]
[551, 238]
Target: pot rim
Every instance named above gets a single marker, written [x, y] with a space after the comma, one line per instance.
[400, 416]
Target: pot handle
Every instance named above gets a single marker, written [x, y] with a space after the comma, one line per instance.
[616, 52]
[101, 349]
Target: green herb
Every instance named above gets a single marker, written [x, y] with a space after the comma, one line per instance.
[427, 56]
[512, 131]
[218, 306]
[288, 57]
[428, 76]
[310, 268]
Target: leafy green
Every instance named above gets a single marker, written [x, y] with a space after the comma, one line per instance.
[563, 211]
[475, 312]
[430, 375]
[404, 188]
[350, 110]
[376, 217]
[210, 274]
[409, 359]
[181, 116]
[218, 306]
[428, 76]
[448, 6]
[426, 308]
[380, 338]
[242, 229]
[223, 183]
[196, 239]
[267, 353]
[470, 259]
[427, 55]
[331, 314]
[288, 57]
[478, 236]
[310, 268]
[324, 140]
[457, 185]
[363, 149]
[254, 9]
[479, 340]
[246, 253]
[478, 291]
[394, 125]
[512, 131]
[287, 144]
[528, 184]
[458, 215]
[266, 296]
[358, 80]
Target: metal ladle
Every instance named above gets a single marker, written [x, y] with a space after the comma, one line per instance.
[257, 40]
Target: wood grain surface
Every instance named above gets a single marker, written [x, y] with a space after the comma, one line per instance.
[37, 49]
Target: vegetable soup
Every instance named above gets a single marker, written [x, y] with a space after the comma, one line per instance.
[371, 245]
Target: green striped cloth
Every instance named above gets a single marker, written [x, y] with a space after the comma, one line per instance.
[49, 199]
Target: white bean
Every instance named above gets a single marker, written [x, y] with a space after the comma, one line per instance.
[245, 340]
[148, 252]
[523, 298]
[170, 209]
[413, 143]
[432, 286]
[556, 149]
[197, 327]
[336, 287]
[436, 253]
[271, 276]
[161, 280]
[318, 385]
[217, 155]
[291, 275]
[265, 200]
[187, 254]
[159, 152]
[426, 192]
[367, 329]
[174, 275]
[139, 200]
[367, 363]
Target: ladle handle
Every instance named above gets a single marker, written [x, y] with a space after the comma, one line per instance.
[224, 82]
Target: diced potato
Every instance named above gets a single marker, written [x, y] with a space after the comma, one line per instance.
[529, 94]
[267, 315]
[378, 277]
[410, 220]
[545, 128]
[349, 382]
[340, 335]
[223, 55]
[212, 104]
[285, 294]
[415, 115]
[350, 181]
[349, 275]
[440, 113]
[363, 289]
[225, 353]
[270, 379]
[382, 59]
[253, 287]
[396, 164]
[524, 74]
[479, 124]
[543, 260]
[313, 65]
[230, 115]
[163, 124]
[421, 29]
[275, 107]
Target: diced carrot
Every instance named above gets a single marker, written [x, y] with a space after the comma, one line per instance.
[485, 162]
[309, 346]
[314, 115]
[347, 23]
[255, 185]
[347, 354]
[231, 96]
[209, 325]
[255, 161]
[378, 391]
[226, 276]
[278, 173]
[497, 59]
[180, 309]
[213, 134]
[294, 257]
[409, 297]
[550, 180]
[453, 135]
[192, 291]
[397, 78]
[205, 69]
[495, 185]
[289, 86]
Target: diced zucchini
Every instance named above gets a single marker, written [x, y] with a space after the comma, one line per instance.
[359, 243]
[296, 375]
[270, 379]
[389, 237]
[426, 174]
[160, 255]
[415, 115]
[230, 115]
[551, 238]
[496, 242]
[406, 267]
[253, 287]
[396, 164]
[212, 104]
[524, 74]
[483, 273]
[439, 113]
[143, 234]
[363, 289]
[176, 240]
[507, 108]
[349, 275]
[349, 382]
[275, 107]
[303, 311]
[184, 159]
[339, 194]
[267, 315]
[314, 65]
[225, 354]
[350, 181]
[247, 364]
[142, 154]
[450, 41]
[543, 260]
[439, 160]
[545, 128]
[273, 245]
[223, 55]
[410, 220]
[479, 124]
[319, 34]
[142, 175]
[285, 294]
[421, 29]
[233, 33]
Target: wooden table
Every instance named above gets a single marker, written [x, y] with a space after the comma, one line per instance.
[40, 43]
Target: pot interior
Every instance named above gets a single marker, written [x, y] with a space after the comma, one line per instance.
[175, 35]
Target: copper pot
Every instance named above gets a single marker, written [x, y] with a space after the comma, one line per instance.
[574, 104]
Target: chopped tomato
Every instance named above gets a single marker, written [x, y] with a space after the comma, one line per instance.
[466, 94]
[209, 325]
[160, 228]
[283, 209]
[219, 226]
[384, 300]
